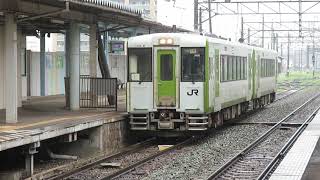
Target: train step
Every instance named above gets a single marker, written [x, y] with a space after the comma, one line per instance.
[197, 128]
[198, 124]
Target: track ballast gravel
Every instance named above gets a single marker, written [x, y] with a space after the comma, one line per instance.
[204, 158]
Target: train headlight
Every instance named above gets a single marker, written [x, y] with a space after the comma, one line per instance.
[162, 41]
[166, 41]
[170, 41]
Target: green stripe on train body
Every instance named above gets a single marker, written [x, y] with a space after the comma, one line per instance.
[253, 61]
[217, 75]
[206, 83]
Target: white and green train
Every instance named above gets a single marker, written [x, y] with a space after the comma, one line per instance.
[181, 82]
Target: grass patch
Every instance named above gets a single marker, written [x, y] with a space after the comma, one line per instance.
[296, 80]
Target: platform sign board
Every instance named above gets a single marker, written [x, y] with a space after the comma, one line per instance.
[116, 46]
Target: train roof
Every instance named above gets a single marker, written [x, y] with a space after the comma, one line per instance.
[187, 40]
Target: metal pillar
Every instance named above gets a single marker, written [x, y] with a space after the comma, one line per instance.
[313, 58]
[93, 50]
[29, 158]
[43, 63]
[210, 18]
[248, 36]
[196, 15]
[200, 20]
[67, 52]
[11, 68]
[262, 32]
[288, 51]
[29, 162]
[307, 60]
[74, 66]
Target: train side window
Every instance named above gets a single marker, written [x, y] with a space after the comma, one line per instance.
[267, 62]
[140, 64]
[267, 67]
[241, 67]
[262, 68]
[234, 68]
[225, 68]
[229, 68]
[238, 68]
[192, 64]
[245, 64]
[222, 71]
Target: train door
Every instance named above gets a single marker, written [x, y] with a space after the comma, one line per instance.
[166, 77]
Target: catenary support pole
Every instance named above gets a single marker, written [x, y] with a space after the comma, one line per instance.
[42, 63]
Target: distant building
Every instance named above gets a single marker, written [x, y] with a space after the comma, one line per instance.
[149, 7]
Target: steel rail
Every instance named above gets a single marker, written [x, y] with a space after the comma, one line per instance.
[282, 97]
[130, 149]
[277, 159]
[147, 159]
[260, 139]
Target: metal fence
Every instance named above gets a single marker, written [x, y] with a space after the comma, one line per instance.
[95, 92]
[98, 92]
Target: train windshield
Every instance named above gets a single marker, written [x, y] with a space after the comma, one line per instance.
[140, 65]
[192, 64]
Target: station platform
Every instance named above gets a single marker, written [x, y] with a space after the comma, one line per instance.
[303, 159]
[42, 118]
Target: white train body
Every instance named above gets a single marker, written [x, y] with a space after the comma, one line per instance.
[187, 82]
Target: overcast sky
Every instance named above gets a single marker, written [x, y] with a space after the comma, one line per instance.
[181, 14]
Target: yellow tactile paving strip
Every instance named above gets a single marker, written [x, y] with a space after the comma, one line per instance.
[51, 121]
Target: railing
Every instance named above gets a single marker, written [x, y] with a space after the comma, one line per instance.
[95, 92]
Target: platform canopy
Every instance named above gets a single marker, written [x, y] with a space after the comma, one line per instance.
[52, 16]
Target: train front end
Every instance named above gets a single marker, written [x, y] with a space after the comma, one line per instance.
[166, 82]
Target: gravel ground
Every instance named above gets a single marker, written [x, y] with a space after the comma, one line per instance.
[49, 164]
[191, 160]
[278, 110]
[305, 112]
[285, 93]
[125, 160]
[252, 165]
[225, 143]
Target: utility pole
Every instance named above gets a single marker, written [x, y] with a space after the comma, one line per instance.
[277, 42]
[300, 59]
[313, 56]
[248, 36]
[262, 31]
[281, 54]
[200, 20]
[272, 38]
[307, 62]
[300, 18]
[241, 40]
[300, 65]
[210, 19]
[288, 54]
[196, 18]
[242, 33]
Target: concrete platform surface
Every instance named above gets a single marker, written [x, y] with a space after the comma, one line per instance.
[302, 160]
[46, 117]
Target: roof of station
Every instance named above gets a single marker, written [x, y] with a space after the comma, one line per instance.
[54, 15]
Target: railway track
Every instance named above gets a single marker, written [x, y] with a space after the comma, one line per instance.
[68, 173]
[80, 171]
[259, 158]
[131, 158]
[286, 94]
[127, 172]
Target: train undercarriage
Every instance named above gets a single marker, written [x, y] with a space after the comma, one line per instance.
[167, 121]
